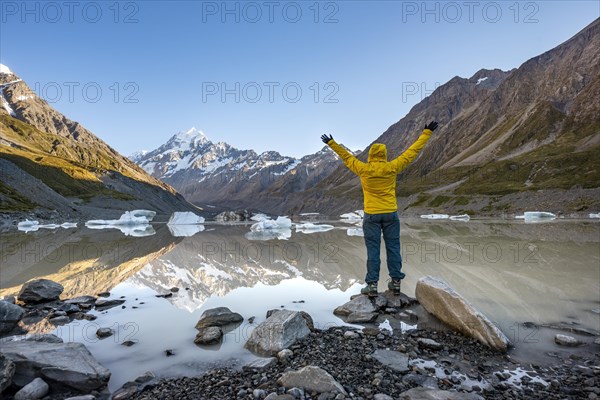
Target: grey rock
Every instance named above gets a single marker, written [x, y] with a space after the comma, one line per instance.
[285, 354]
[450, 307]
[425, 381]
[597, 341]
[81, 300]
[297, 393]
[10, 315]
[360, 317]
[13, 300]
[261, 363]
[35, 337]
[429, 344]
[145, 377]
[67, 364]
[392, 359]
[209, 335]
[69, 308]
[312, 379]
[219, 316]
[104, 332]
[259, 394]
[124, 393]
[565, 340]
[309, 321]
[84, 397]
[277, 332]
[105, 304]
[360, 303]
[398, 300]
[7, 371]
[381, 396]
[350, 334]
[62, 320]
[39, 291]
[435, 394]
[36, 389]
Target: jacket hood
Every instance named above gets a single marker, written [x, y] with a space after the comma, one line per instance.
[378, 152]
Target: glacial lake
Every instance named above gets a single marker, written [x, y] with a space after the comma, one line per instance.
[514, 272]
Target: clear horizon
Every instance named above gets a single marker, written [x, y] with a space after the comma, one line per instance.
[265, 75]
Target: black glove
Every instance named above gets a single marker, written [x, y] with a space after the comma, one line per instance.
[326, 138]
[432, 126]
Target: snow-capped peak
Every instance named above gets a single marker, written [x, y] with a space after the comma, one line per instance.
[190, 137]
[5, 70]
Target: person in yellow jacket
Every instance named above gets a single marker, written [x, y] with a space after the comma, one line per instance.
[378, 180]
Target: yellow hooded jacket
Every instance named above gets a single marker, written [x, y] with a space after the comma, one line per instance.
[378, 175]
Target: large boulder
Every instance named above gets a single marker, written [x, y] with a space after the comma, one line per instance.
[36, 389]
[59, 364]
[436, 394]
[10, 315]
[40, 291]
[439, 299]
[7, 371]
[311, 379]
[277, 332]
[219, 316]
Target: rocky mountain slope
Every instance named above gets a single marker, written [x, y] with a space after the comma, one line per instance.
[52, 166]
[507, 141]
[219, 174]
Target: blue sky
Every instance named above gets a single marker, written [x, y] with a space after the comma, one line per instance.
[265, 75]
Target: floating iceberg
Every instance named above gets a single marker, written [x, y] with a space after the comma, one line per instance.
[355, 232]
[267, 229]
[128, 218]
[185, 230]
[28, 226]
[353, 216]
[309, 227]
[463, 217]
[308, 214]
[269, 224]
[435, 216]
[147, 214]
[185, 218]
[596, 215]
[68, 225]
[259, 217]
[536, 215]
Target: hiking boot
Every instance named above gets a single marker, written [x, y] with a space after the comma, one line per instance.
[370, 290]
[394, 286]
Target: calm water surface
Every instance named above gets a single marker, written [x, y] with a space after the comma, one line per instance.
[513, 271]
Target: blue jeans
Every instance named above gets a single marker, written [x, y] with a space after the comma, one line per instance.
[373, 226]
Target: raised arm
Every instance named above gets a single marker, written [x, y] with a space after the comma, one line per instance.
[353, 163]
[413, 151]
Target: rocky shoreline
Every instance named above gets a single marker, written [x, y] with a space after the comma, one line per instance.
[298, 361]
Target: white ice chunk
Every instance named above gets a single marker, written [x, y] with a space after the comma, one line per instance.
[385, 325]
[308, 213]
[309, 227]
[596, 215]
[67, 225]
[149, 215]
[27, 223]
[355, 232]
[462, 217]
[269, 224]
[185, 218]
[259, 217]
[128, 218]
[358, 214]
[435, 216]
[536, 215]
[184, 230]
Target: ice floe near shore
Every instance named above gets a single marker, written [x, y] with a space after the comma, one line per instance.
[536, 215]
[309, 227]
[435, 216]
